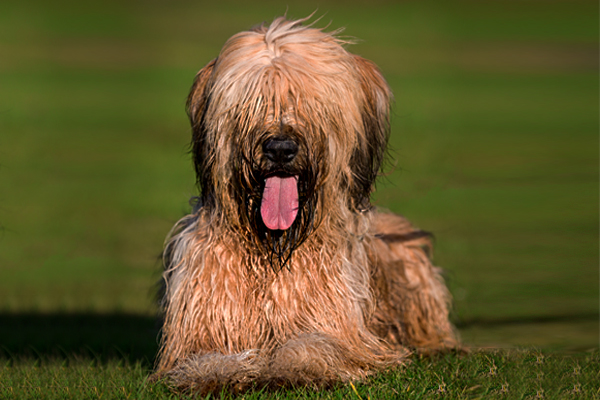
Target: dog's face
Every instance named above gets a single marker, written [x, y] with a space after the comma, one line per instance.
[288, 129]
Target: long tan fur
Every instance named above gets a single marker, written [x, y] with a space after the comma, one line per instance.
[346, 290]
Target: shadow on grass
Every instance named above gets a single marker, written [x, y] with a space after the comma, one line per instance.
[134, 338]
[102, 337]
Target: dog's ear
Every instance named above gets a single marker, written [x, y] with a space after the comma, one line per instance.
[198, 97]
[197, 104]
[368, 156]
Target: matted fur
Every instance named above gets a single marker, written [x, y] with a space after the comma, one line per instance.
[347, 289]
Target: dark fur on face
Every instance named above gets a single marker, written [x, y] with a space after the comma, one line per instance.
[252, 169]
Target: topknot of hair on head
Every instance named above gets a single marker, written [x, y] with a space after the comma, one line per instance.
[283, 31]
[280, 28]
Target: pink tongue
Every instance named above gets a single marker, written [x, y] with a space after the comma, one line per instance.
[279, 202]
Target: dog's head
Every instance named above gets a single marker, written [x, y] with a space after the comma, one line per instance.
[289, 130]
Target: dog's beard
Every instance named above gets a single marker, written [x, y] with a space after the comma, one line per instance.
[278, 219]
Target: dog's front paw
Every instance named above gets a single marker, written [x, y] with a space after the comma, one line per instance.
[313, 358]
[213, 372]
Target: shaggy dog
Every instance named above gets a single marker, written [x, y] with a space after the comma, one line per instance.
[284, 274]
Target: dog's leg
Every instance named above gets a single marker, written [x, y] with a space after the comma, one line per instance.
[413, 301]
[212, 372]
[319, 359]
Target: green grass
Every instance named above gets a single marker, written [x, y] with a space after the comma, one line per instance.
[486, 375]
[495, 142]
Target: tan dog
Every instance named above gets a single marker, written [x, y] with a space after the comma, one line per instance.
[284, 273]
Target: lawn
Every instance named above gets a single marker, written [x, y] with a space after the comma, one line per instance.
[494, 149]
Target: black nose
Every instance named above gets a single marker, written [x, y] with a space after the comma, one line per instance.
[280, 150]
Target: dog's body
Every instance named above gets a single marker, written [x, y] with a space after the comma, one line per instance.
[284, 273]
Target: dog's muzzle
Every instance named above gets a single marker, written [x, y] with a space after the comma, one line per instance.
[279, 205]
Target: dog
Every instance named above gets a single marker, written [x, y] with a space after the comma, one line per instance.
[284, 273]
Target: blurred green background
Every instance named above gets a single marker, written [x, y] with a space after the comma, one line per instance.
[494, 145]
